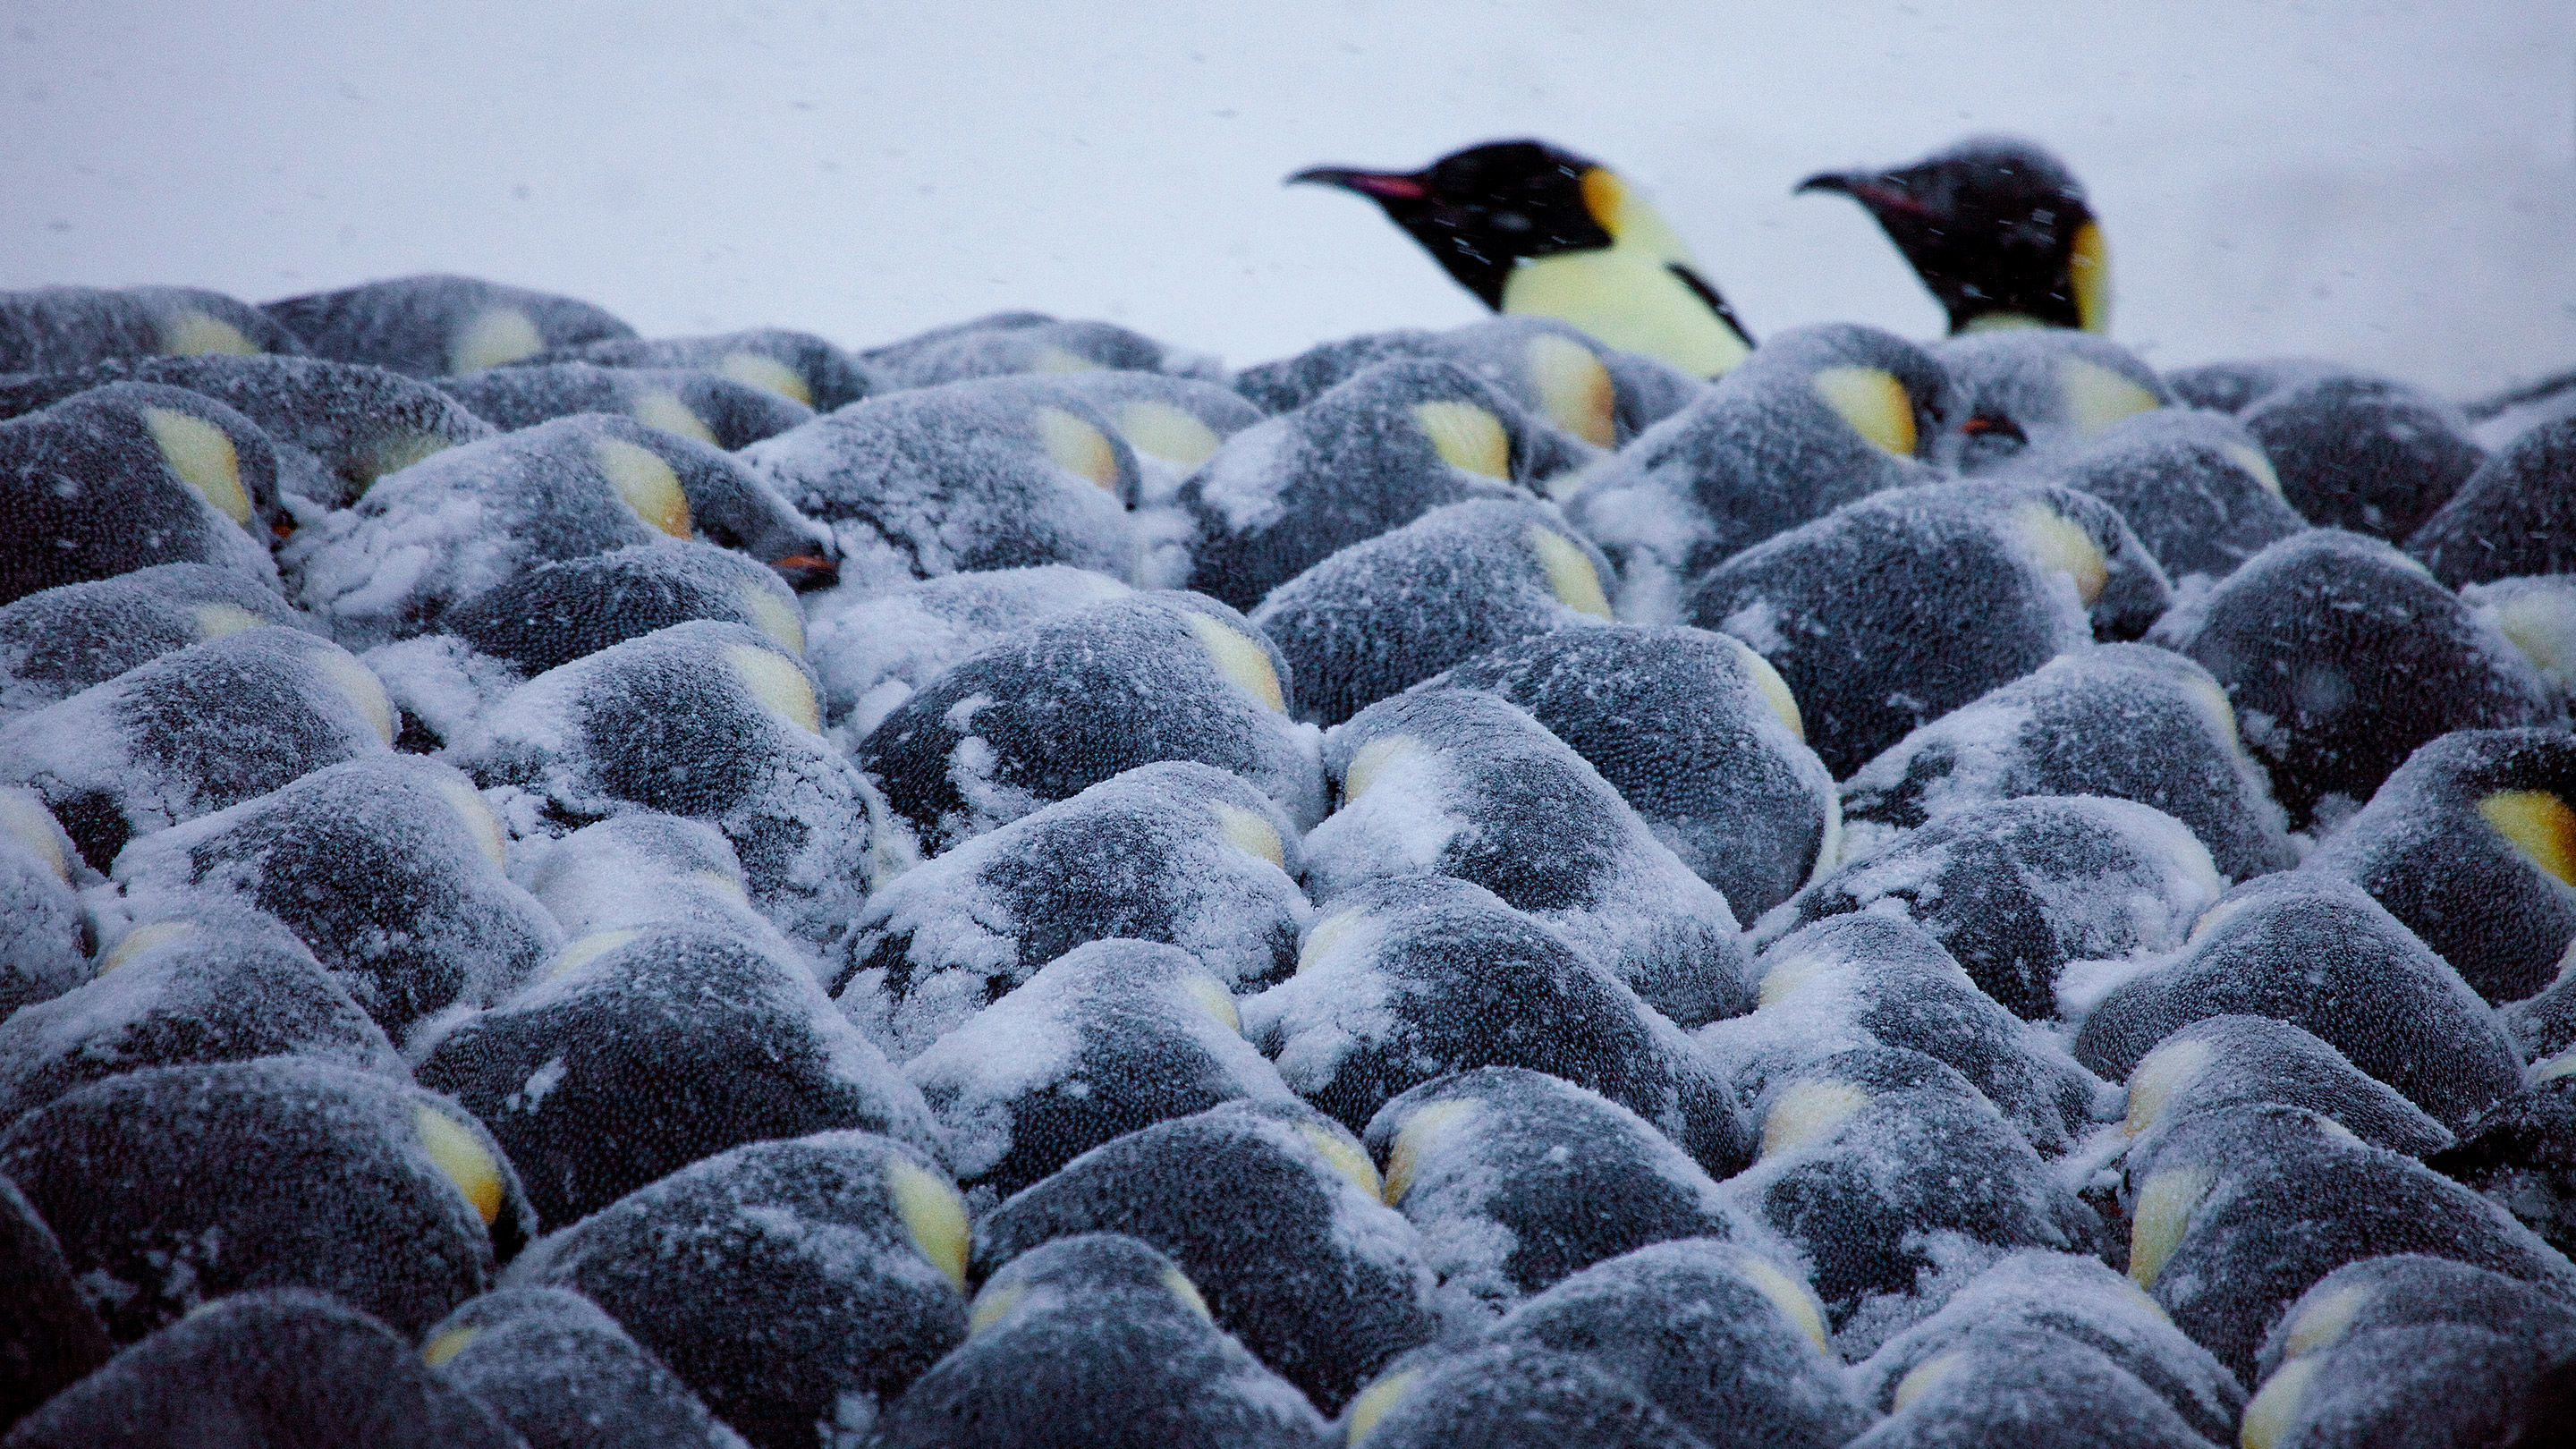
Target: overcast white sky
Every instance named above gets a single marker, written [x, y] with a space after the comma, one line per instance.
[2393, 185]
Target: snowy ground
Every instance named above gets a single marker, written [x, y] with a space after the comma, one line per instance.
[2392, 185]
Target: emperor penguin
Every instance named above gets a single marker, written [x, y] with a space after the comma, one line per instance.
[1533, 228]
[1997, 228]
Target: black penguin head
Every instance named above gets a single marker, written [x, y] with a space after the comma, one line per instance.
[1997, 228]
[1480, 210]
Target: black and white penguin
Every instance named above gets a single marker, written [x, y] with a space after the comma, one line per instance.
[1529, 227]
[173, 1186]
[1998, 229]
[822, 1275]
[431, 325]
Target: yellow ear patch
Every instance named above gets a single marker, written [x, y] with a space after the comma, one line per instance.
[221, 621]
[2325, 1318]
[1570, 574]
[1250, 833]
[1873, 402]
[2274, 1409]
[2158, 1075]
[779, 621]
[32, 826]
[1078, 448]
[2163, 1215]
[2544, 628]
[1188, 1292]
[1420, 1131]
[664, 410]
[2540, 826]
[1374, 1403]
[1792, 1298]
[1326, 935]
[2058, 544]
[993, 1305]
[144, 938]
[1059, 359]
[361, 686]
[1347, 1158]
[1372, 758]
[1168, 433]
[1238, 657]
[588, 949]
[649, 484]
[934, 1214]
[2088, 275]
[492, 337]
[194, 334]
[777, 683]
[464, 1159]
[447, 1345]
[756, 369]
[2253, 461]
[401, 451]
[1786, 980]
[2097, 397]
[1775, 690]
[204, 457]
[1212, 996]
[1808, 1111]
[1466, 436]
[1575, 389]
[2561, 1065]
[478, 818]
[1924, 1375]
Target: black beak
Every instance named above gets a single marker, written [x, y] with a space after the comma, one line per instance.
[1376, 185]
[1869, 188]
[806, 572]
[1837, 181]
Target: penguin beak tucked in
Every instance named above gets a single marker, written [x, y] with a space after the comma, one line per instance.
[807, 572]
[1379, 185]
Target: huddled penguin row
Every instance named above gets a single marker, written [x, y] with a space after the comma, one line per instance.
[1021, 888]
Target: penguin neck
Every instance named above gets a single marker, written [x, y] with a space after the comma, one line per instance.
[1642, 293]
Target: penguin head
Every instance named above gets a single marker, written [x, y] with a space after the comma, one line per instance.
[1481, 210]
[1998, 229]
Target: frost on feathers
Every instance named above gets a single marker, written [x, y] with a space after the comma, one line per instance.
[1105, 1040]
[389, 869]
[874, 649]
[211, 982]
[594, 1079]
[1696, 733]
[1888, 613]
[194, 732]
[1173, 853]
[1416, 977]
[1373, 454]
[707, 406]
[2019, 890]
[445, 530]
[2126, 721]
[960, 479]
[710, 721]
[1403, 606]
[432, 324]
[1870, 979]
[1817, 417]
[59, 641]
[338, 426]
[1461, 783]
[1047, 711]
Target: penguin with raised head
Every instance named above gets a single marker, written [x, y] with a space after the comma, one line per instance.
[1529, 227]
[1997, 228]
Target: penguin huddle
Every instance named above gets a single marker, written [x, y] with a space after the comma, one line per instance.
[1018, 887]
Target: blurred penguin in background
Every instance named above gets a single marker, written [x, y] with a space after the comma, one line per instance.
[1533, 229]
[1997, 228]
